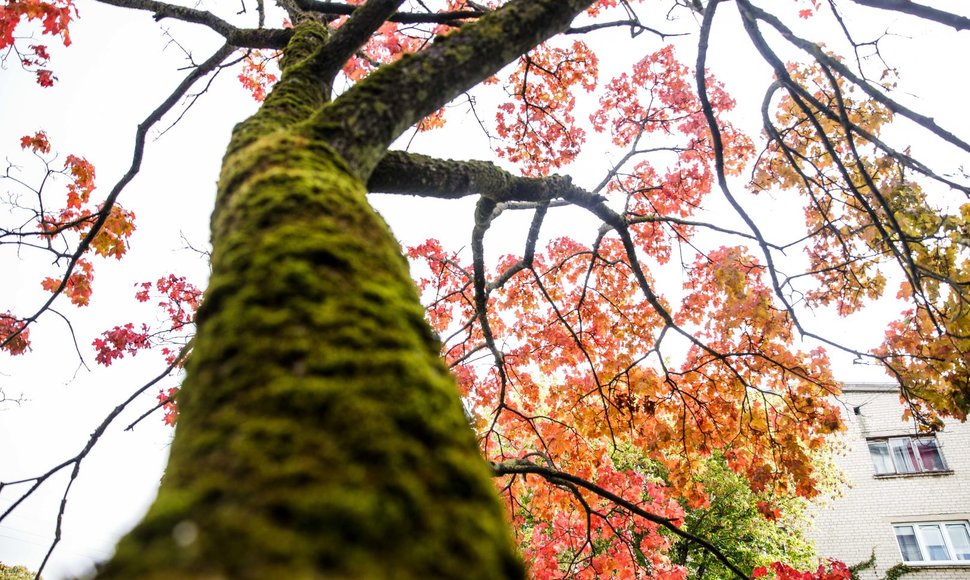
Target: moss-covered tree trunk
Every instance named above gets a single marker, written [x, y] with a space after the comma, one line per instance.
[320, 435]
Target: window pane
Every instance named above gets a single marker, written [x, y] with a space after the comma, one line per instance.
[933, 541]
[879, 450]
[903, 455]
[907, 544]
[929, 454]
[960, 539]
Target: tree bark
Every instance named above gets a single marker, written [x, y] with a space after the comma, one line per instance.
[320, 434]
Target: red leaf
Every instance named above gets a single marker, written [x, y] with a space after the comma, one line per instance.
[41, 51]
[8, 326]
[45, 78]
[82, 174]
[167, 398]
[37, 142]
[118, 341]
[78, 286]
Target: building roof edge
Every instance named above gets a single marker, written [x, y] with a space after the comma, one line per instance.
[870, 387]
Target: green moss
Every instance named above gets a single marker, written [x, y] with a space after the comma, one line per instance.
[299, 92]
[320, 434]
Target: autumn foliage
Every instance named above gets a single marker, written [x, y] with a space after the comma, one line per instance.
[54, 18]
[575, 354]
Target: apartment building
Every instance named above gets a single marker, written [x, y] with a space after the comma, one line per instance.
[909, 500]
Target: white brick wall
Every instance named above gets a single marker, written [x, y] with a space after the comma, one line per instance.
[851, 527]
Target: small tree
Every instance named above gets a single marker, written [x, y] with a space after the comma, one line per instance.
[751, 529]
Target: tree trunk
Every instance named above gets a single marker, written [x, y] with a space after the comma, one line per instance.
[320, 434]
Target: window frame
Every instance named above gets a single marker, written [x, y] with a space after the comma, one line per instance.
[889, 447]
[918, 534]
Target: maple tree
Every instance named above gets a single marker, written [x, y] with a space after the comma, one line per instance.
[319, 430]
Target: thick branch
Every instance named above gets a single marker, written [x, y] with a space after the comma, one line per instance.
[343, 9]
[920, 11]
[414, 174]
[300, 92]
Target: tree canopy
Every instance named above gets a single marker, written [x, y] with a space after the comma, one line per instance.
[627, 334]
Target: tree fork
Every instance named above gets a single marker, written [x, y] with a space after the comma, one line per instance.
[320, 434]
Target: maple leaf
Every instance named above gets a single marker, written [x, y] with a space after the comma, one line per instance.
[388, 44]
[112, 238]
[41, 51]
[769, 512]
[45, 78]
[600, 6]
[808, 12]
[256, 75]
[118, 341]
[82, 181]
[55, 17]
[170, 406]
[433, 121]
[37, 142]
[538, 120]
[179, 298]
[9, 325]
[829, 570]
[78, 285]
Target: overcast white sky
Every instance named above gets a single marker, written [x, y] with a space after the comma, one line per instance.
[109, 79]
[118, 69]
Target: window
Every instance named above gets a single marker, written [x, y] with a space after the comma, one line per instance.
[906, 455]
[934, 542]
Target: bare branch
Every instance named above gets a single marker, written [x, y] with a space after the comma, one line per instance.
[76, 463]
[751, 13]
[238, 37]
